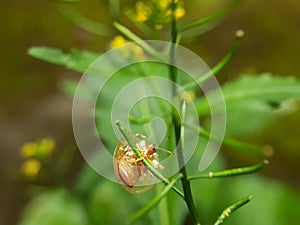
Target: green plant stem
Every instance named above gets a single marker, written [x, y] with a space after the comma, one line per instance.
[231, 172]
[145, 161]
[226, 212]
[114, 8]
[164, 209]
[177, 124]
[214, 16]
[133, 37]
[185, 181]
[220, 65]
[85, 23]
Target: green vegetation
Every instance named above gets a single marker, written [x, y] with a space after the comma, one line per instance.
[252, 102]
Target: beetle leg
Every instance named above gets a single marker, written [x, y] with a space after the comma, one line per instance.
[133, 160]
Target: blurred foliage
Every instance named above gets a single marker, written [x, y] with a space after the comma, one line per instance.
[252, 102]
[102, 202]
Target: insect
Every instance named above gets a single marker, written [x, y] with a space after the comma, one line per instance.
[130, 171]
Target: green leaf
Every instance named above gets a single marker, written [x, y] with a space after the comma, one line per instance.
[251, 101]
[74, 60]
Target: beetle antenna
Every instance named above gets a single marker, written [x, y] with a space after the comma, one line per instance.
[163, 149]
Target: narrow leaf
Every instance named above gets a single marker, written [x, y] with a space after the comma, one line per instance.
[74, 60]
[114, 8]
[265, 88]
[217, 15]
[86, 23]
[220, 65]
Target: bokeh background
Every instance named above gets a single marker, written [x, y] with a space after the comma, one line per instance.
[33, 104]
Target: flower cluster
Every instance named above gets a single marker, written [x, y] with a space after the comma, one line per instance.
[156, 12]
[33, 153]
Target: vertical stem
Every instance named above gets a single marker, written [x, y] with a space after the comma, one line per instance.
[184, 180]
[177, 124]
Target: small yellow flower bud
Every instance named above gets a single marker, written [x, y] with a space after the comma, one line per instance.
[117, 41]
[179, 12]
[163, 4]
[28, 150]
[31, 168]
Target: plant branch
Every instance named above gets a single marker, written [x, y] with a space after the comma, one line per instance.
[214, 16]
[133, 37]
[179, 136]
[85, 23]
[226, 212]
[231, 172]
[185, 181]
[220, 65]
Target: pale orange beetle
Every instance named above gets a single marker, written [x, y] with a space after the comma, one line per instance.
[130, 171]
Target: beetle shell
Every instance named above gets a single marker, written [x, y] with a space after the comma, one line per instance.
[130, 172]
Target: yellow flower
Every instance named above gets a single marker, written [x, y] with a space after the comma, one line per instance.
[28, 150]
[142, 12]
[164, 4]
[31, 168]
[40, 148]
[118, 41]
[179, 12]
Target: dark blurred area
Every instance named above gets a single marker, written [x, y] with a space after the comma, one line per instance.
[34, 106]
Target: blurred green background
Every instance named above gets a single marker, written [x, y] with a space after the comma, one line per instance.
[34, 106]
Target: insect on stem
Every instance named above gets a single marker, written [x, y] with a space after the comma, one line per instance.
[145, 162]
